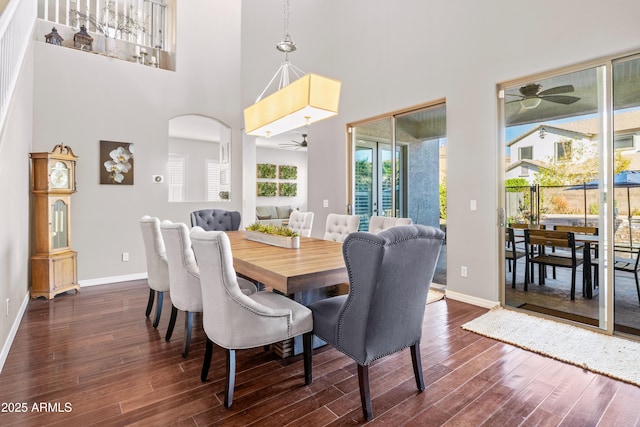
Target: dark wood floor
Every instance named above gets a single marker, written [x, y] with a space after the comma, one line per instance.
[99, 359]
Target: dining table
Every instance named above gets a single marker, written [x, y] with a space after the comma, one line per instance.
[305, 274]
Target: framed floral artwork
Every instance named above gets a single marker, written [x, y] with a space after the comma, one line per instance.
[116, 163]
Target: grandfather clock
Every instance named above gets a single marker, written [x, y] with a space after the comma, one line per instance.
[54, 264]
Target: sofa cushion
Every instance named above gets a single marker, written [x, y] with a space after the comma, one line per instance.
[283, 212]
[266, 212]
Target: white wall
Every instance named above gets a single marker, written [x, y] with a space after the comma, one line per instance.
[404, 53]
[81, 98]
[15, 142]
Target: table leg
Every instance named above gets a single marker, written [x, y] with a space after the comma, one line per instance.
[586, 271]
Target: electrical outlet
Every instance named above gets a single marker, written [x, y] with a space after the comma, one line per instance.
[7, 312]
[463, 271]
[125, 256]
[325, 203]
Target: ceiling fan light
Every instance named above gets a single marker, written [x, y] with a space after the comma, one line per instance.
[530, 103]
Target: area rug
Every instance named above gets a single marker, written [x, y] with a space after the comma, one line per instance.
[434, 295]
[615, 357]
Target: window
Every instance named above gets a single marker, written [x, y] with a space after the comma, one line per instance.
[176, 178]
[524, 171]
[525, 153]
[213, 179]
[563, 150]
[624, 142]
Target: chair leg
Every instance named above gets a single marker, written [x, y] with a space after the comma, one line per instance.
[231, 378]
[635, 273]
[513, 274]
[158, 309]
[152, 295]
[172, 323]
[365, 396]
[573, 284]
[208, 352]
[307, 344]
[188, 325]
[417, 366]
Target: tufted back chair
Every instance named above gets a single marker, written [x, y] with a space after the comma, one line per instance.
[216, 219]
[157, 267]
[234, 320]
[339, 226]
[389, 277]
[184, 278]
[379, 223]
[301, 222]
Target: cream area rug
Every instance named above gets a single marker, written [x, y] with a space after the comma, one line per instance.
[612, 356]
[434, 295]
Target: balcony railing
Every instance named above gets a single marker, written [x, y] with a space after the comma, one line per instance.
[16, 24]
[141, 22]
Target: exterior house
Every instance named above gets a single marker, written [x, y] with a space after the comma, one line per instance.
[531, 151]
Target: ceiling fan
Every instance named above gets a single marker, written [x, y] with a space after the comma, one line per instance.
[297, 144]
[531, 95]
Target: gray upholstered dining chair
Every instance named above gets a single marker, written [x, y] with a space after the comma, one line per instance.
[184, 278]
[339, 226]
[379, 223]
[157, 267]
[389, 276]
[237, 321]
[216, 219]
[301, 222]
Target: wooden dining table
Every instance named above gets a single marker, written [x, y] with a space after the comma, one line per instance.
[304, 274]
[316, 264]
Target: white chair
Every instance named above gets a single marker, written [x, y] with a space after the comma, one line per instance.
[236, 321]
[184, 278]
[157, 268]
[379, 223]
[301, 222]
[339, 226]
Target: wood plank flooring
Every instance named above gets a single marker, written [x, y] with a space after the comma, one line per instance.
[93, 358]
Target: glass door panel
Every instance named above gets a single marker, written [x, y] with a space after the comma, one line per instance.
[552, 182]
[626, 147]
[399, 170]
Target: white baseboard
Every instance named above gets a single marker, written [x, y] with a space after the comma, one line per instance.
[14, 330]
[112, 279]
[471, 300]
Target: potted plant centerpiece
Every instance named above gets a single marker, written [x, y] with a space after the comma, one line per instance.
[275, 235]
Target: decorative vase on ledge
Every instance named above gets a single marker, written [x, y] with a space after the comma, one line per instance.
[289, 242]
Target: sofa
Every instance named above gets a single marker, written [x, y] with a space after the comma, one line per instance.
[276, 215]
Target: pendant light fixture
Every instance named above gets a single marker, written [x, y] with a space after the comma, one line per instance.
[306, 100]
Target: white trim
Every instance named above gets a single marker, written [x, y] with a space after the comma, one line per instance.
[471, 300]
[14, 330]
[112, 279]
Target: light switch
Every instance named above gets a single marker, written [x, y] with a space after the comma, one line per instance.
[474, 205]
[325, 203]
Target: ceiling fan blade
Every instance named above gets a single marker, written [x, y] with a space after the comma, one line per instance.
[561, 99]
[557, 90]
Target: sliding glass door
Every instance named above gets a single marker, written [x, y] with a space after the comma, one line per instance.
[398, 169]
[571, 148]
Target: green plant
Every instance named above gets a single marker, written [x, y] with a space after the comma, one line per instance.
[278, 230]
[593, 208]
[287, 172]
[266, 170]
[288, 190]
[443, 199]
[267, 189]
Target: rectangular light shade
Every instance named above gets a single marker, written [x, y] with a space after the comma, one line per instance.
[307, 100]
